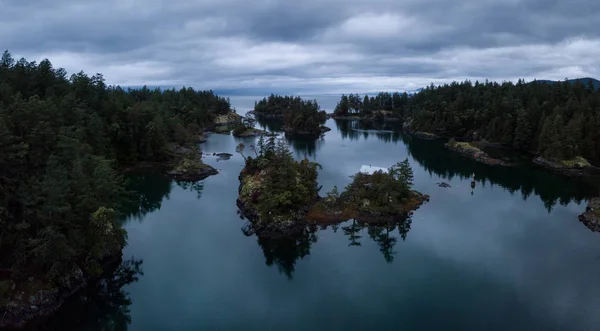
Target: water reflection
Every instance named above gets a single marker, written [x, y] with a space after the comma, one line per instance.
[436, 159]
[269, 123]
[103, 306]
[386, 131]
[305, 148]
[284, 251]
[526, 179]
[381, 233]
[148, 190]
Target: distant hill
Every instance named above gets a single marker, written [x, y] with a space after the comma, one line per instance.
[585, 81]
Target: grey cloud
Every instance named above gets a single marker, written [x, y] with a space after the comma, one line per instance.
[323, 46]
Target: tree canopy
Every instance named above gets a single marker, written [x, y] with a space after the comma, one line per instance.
[63, 139]
[558, 120]
[300, 116]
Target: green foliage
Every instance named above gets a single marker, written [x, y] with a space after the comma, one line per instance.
[558, 120]
[239, 129]
[300, 116]
[353, 104]
[61, 140]
[380, 192]
[283, 186]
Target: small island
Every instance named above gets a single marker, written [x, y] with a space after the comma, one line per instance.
[245, 128]
[280, 195]
[301, 117]
[384, 107]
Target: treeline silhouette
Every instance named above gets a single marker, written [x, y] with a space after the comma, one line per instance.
[63, 138]
[558, 120]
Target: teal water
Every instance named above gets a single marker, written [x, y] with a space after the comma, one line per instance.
[508, 254]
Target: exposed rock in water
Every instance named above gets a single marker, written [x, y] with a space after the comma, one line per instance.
[249, 132]
[193, 174]
[223, 156]
[472, 152]
[591, 216]
[324, 129]
[575, 167]
[189, 167]
[444, 184]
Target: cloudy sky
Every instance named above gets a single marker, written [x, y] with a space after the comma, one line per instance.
[308, 46]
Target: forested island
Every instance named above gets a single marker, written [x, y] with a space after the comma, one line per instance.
[301, 117]
[280, 195]
[65, 141]
[557, 123]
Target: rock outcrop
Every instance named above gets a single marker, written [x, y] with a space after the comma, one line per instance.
[249, 132]
[472, 152]
[227, 119]
[591, 216]
[424, 135]
[575, 167]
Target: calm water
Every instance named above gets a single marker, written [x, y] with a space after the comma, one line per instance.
[509, 254]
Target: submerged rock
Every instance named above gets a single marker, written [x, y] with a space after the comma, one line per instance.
[444, 184]
[591, 216]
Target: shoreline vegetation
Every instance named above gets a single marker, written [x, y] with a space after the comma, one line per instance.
[303, 118]
[556, 123]
[279, 195]
[66, 142]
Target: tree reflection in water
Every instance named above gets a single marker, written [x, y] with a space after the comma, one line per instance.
[284, 250]
[103, 306]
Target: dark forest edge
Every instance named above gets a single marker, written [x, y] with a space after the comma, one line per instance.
[67, 140]
[300, 117]
[280, 195]
[65, 143]
[556, 122]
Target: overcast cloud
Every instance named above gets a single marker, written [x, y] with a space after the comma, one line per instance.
[308, 46]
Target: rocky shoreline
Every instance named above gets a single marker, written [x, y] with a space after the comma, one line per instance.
[573, 168]
[273, 229]
[290, 131]
[318, 212]
[26, 308]
[591, 216]
[249, 132]
[472, 152]
[182, 166]
[424, 135]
